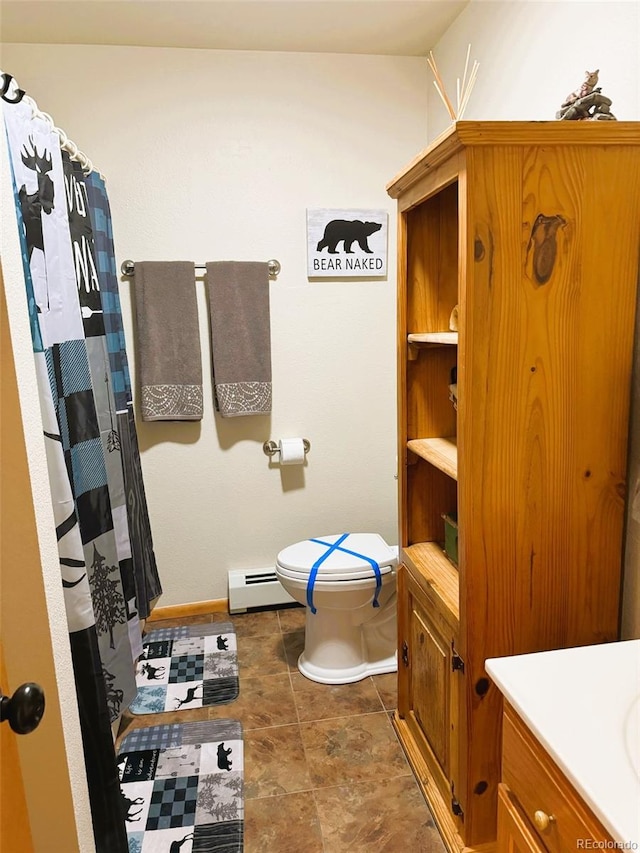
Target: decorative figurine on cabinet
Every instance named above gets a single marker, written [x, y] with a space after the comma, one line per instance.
[586, 103]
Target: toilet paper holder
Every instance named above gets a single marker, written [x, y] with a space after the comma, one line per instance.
[271, 447]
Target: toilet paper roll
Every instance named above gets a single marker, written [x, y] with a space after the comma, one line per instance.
[291, 451]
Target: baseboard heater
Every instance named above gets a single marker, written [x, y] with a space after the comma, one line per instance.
[251, 589]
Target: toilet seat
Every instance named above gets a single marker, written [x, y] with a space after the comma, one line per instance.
[341, 557]
[351, 560]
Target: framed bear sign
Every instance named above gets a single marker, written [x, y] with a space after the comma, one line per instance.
[347, 243]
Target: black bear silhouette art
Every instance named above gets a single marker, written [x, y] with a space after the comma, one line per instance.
[222, 644]
[348, 231]
[223, 757]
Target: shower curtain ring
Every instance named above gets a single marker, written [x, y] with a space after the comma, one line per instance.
[34, 107]
[6, 83]
[47, 118]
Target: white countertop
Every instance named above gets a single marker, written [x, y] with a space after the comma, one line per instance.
[583, 705]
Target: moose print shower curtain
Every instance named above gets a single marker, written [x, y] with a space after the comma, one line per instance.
[145, 572]
[84, 448]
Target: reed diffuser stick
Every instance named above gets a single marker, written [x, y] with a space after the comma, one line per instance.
[463, 89]
[466, 66]
[445, 101]
[440, 86]
[470, 85]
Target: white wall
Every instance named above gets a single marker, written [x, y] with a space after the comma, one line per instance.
[214, 155]
[532, 54]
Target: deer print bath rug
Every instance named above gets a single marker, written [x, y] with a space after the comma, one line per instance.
[187, 667]
[181, 788]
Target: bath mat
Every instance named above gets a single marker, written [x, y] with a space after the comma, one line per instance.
[187, 667]
[182, 787]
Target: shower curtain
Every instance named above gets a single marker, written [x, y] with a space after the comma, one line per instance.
[84, 448]
[145, 572]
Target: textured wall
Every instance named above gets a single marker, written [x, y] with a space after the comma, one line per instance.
[213, 155]
[532, 54]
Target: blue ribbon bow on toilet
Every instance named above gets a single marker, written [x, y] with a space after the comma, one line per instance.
[336, 546]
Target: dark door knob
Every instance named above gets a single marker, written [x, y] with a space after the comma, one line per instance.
[24, 709]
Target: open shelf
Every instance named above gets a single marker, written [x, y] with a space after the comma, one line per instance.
[440, 452]
[437, 575]
[433, 338]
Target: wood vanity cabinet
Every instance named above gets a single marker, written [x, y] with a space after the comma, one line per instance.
[531, 230]
[539, 811]
[515, 835]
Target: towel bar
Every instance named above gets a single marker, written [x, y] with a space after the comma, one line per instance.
[128, 267]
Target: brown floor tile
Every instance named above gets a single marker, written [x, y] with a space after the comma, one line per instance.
[259, 624]
[284, 824]
[387, 687]
[335, 781]
[261, 656]
[352, 749]
[201, 619]
[292, 619]
[293, 648]
[387, 816]
[321, 701]
[264, 700]
[274, 762]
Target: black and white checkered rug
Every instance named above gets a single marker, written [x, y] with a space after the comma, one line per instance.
[181, 787]
[187, 667]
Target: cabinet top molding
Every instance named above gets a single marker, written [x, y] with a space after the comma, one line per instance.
[466, 134]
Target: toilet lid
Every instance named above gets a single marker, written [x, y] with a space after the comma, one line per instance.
[352, 557]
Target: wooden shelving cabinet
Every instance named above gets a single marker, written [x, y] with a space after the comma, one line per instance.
[533, 231]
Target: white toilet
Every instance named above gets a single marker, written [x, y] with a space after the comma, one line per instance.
[348, 584]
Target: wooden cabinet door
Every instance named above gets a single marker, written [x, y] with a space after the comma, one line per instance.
[429, 640]
[514, 834]
[430, 676]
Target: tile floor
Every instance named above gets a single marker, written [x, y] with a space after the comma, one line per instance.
[324, 771]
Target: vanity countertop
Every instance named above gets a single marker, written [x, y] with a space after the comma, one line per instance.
[583, 705]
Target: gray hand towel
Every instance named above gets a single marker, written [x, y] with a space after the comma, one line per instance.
[241, 337]
[168, 341]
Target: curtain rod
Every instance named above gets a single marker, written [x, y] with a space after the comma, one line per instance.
[128, 267]
[10, 87]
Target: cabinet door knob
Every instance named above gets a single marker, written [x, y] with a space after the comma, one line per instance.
[542, 820]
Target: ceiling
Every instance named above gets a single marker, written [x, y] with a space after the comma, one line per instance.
[392, 27]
